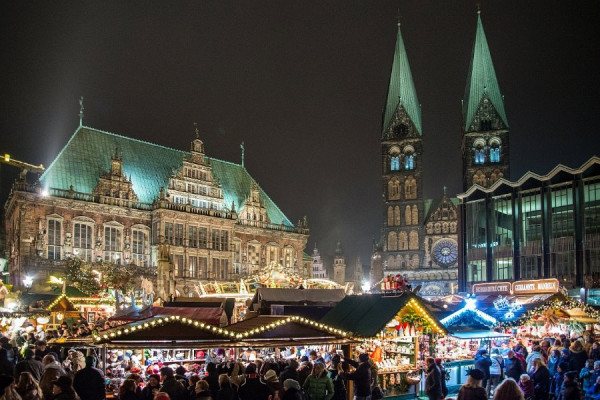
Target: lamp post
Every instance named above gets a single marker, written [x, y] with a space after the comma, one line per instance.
[28, 282]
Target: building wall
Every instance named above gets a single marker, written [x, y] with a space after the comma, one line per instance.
[543, 228]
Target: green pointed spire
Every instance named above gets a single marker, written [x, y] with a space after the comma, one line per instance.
[401, 91]
[481, 80]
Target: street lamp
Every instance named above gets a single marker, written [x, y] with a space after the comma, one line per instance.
[28, 281]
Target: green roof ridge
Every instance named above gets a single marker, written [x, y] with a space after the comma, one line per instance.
[87, 155]
[481, 80]
[401, 90]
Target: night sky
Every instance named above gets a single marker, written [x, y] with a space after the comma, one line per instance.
[303, 84]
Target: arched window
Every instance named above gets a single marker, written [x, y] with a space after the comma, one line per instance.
[394, 189]
[413, 241]
[495, 175]
[390, 217]
[409, 161]
[495, 154]
[403, 239]
[410, 188]
[396, 215]
[407, 216]
[395, 163]
[415, 215]
[392, 241]
[479, 155]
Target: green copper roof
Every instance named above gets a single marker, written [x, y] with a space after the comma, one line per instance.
[481, 79]
[401, 90]
[87, 155]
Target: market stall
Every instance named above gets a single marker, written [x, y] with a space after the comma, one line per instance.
[395, 330]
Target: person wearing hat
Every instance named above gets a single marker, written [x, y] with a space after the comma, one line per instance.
[433, 380]
[473, 389]
[570, 387]
[62, 389]
[273, 383]
[89, 381]
[291, 390]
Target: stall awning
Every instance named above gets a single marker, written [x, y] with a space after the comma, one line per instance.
[367, 315]
[468, 335]
[208, 315]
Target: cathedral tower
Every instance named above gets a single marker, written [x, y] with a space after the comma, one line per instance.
[485, 147]
[339, 265]
[402, 170]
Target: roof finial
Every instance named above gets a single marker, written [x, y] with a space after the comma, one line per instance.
[445, 189]
[398, 17]
[242, 147]
[196, 130]
[81, 111]
[478, 8]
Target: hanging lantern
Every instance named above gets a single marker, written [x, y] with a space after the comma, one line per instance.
[60, 316]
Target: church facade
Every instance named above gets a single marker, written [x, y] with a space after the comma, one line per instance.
[419, 236]
[110, 198]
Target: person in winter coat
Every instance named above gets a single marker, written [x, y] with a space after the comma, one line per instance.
[128, 390]
[304, 370]
[594, 352]
[527, 387]
[226, 390]
[170, 385]
[536, 353]
[586, 375]
[52, 371]
[472, 390]
[593, 393]
[252, 387]
[318, 386]
[89, 382]
[553, 361]
[508, 390]
[433, 380]
[29, 364]
[290, 371]
[202, 391]
[443, 373]
[63, 389]
[152, 387]
[570, 389]
[513, 368]
[578, 356]
[483, 363]
[291, 390]
[557, 381]
[496, 369]
[362, 377]
[541, 380]
[212, 378]
[28, 388]
[6, 366]
[273, 383]
[336, 373]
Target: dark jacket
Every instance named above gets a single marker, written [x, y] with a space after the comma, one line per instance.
[292, 394]
[339, 385]
[571, 391]
[174, 388]
[213, 383]
[471, 393]
[51, 373]
[513, 368]
[227, 392]
[30, 365]
[253, 388]
[130, 396]
[362, 380]
[204, 395]
[147, 392]
[89, 384]
[290, 372]
[433, 382]
[541, 380]
[443, 375]
[577, 360]
[483, 364]
[303, 372]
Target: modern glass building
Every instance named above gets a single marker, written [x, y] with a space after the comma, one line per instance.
[537, 227]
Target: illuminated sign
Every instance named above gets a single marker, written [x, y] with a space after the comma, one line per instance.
[535, 287]
[483, 245]
[492, 288]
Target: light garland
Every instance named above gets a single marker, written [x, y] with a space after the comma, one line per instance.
[565, 304]
[432, 322]
[470, 307]
[57, 300]
[159, 321]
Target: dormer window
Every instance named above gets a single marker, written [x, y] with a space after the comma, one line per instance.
[486, 125]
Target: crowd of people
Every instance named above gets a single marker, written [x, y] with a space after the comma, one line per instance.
[38, 372]
[554, 369]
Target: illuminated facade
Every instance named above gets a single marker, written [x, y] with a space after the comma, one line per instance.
[536, 227]
[111, 198]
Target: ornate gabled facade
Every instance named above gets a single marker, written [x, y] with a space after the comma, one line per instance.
[485, 146]
[318, 267]
[202, 218]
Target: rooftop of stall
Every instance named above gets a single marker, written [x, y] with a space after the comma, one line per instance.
[367, 315]
[310, 303]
